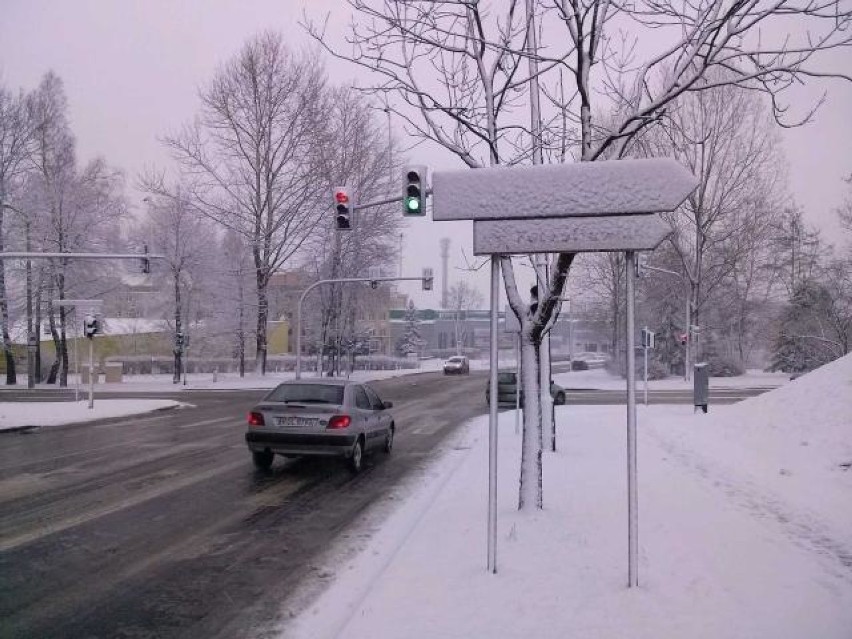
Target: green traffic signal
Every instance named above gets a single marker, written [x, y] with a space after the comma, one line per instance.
[414, 186]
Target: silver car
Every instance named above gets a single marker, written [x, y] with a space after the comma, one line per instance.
[330, 417]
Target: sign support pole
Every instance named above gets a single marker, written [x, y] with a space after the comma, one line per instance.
[645, 339]
[492, 419]
[91, 372]
[518, 384]
[632, 492]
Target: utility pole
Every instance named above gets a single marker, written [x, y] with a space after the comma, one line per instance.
[445, 259]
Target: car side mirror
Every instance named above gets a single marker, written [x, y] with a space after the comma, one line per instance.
[388, 405]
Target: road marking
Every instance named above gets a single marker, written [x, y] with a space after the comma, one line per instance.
[70, 522]
[123, 444]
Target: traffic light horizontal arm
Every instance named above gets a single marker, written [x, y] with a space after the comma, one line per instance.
[80, 256]
[389, 200]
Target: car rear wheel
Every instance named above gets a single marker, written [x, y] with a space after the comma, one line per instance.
[263, 459]
[356, 460]
[389, 440]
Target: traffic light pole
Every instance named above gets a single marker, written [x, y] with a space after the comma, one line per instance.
[91, 372]
[333, 281]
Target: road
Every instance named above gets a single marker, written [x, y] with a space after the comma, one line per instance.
[159, 526]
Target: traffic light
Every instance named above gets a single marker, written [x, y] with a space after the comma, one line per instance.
[91, 326]
[342, 210]
[427, 279]
[533, 299]
[683, 338]
[146, 263]
[414, 191]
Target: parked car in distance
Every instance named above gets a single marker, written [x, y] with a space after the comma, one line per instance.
[587, 360]
[326, 417]
[506, 385]
[457, 364]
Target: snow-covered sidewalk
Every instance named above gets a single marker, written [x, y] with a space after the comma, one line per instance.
[744, 531]
[17, 415]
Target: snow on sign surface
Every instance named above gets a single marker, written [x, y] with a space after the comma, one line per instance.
[612, 187]
[569, 234]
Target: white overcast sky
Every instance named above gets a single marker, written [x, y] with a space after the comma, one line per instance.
[132, 68]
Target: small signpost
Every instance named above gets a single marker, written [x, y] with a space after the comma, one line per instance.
[565, 208]
[647, 342]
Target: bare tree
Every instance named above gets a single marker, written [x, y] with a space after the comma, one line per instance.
[357, 153]
[453, 72]
[724, 137]
[15, 139]
[82, 208]
[462, 297]
[252, 157]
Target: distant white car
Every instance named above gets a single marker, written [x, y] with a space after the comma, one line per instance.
[457, 364]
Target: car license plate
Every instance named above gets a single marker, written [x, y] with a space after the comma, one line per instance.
[296, 422]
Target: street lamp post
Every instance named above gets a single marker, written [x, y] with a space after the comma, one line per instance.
[333, 281]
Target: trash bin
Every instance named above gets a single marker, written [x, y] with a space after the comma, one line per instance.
[112, 372]
[701, 386]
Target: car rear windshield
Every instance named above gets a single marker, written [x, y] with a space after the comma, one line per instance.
[456, 359]
[307, 393]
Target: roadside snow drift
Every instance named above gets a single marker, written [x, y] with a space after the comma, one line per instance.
[745, 531]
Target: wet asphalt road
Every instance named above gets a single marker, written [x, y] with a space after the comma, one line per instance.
[159, 526]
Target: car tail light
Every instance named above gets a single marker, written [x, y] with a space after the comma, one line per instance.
[256, 419]
[339, 421]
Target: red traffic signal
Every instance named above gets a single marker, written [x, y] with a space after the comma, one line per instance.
[683, 338]
[342, 211]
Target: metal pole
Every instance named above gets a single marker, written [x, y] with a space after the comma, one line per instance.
[518, 384]
[91, 372]
[299, 334]
[645, 353]
[76, 360]
[632, 493]
[687, 348]
[31, 344]
[492, 419]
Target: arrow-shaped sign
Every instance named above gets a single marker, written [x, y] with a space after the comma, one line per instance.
[611, 187]
[569, 234]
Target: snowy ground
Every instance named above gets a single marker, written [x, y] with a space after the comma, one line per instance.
[745, 531]
[15, 415]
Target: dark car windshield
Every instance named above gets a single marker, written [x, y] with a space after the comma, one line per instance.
[307, 393]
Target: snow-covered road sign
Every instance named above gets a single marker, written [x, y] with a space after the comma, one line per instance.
[611, 187]
[569, 234]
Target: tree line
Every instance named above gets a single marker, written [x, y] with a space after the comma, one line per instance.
[248, 195]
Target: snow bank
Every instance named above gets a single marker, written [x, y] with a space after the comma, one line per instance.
[21, 414]
[730, 546]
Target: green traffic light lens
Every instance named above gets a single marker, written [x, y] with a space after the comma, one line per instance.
[413, 204]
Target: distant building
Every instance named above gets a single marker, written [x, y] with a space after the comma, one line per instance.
[440, 332]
